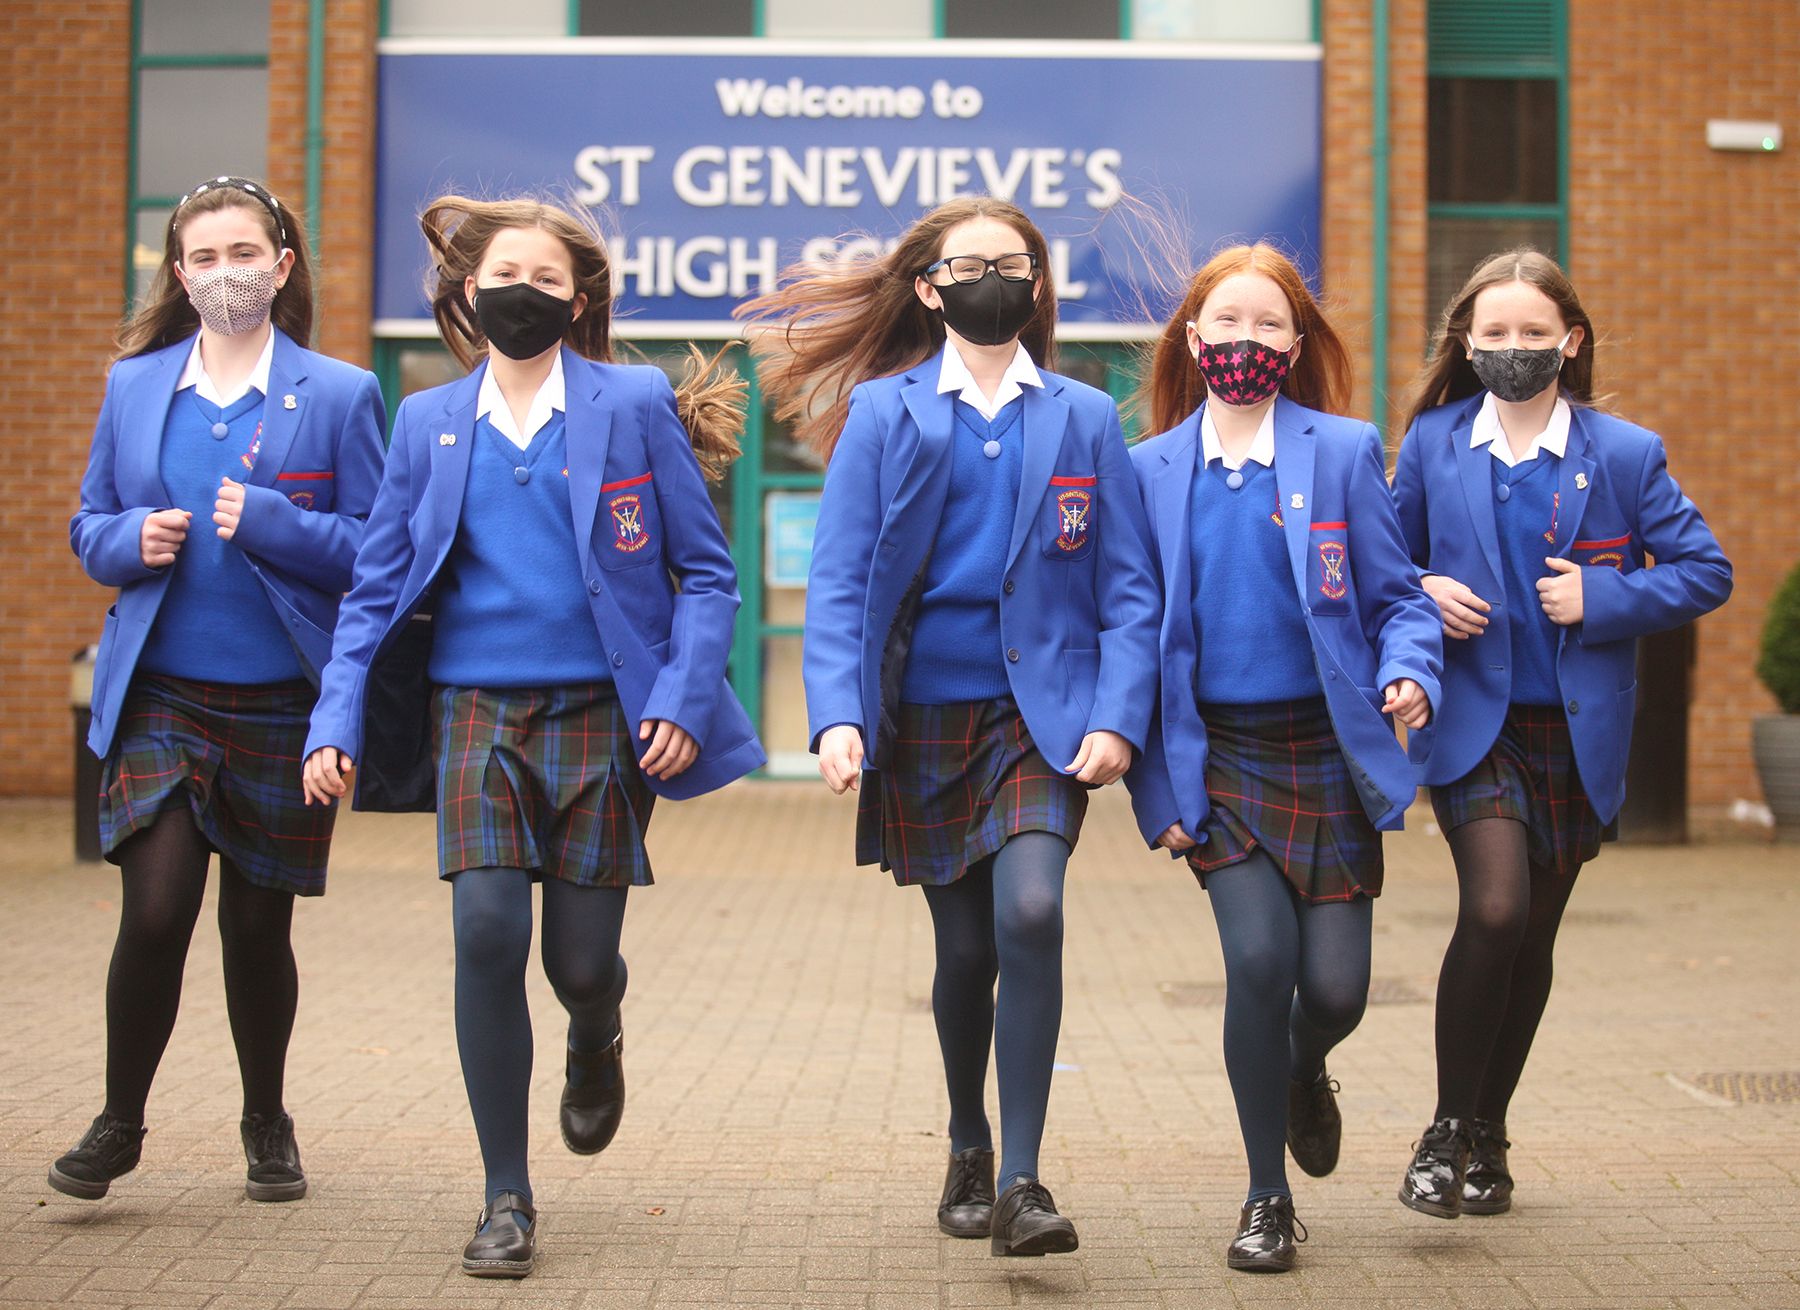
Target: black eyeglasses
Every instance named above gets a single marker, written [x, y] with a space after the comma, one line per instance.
[972, 268]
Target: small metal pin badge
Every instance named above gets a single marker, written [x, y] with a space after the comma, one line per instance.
[1581, 482]
[288, 402]
[1299, 501]
[446, 438]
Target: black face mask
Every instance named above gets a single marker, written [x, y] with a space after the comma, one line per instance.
[990, 311]
[520, 321]
[1516, 375]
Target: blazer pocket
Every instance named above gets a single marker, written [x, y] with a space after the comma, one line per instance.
[308, 490]
[632, 528]
[1083, 667]
[1610, 553]
[1071, 517]
[1328, 568]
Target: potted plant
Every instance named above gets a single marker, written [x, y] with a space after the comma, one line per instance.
[1777, 736]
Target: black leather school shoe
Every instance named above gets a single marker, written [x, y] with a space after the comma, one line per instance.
[1026, 1222]
[501, 1248]
[108, 1149]
[274, 1172]
[1266, 1240]
[1488, 1184]
[967, 1206]
[592, 1108]
[1433, 1183]
[1315, 1129]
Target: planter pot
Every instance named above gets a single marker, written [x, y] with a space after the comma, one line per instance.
[1776, 738]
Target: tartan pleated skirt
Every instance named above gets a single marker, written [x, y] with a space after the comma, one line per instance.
[233, 754]
[1278, 783]
[963, 779]
[1529, 774]
[543, 779]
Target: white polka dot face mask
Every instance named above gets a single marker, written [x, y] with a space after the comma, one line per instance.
[232, 298]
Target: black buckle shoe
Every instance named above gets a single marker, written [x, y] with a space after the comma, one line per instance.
[110, 1147]
[274, 1172]
[592, 1108]
[500, 1247]
[1434, 1180]
[967, 1206]
[1488, 1185]
[1026, 1222]
[1266, 1236]
[1315, 1129]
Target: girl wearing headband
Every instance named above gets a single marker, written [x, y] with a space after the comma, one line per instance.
[231, 472]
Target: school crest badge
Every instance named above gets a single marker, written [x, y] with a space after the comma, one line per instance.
[1331, 559]
[1074, 513]
[300, 499]
[629, 532]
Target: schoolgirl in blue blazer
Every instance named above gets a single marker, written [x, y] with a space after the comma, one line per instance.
[1293, 632]
[980, 639]
[522, 559]
[209, 656]
[1531, 514]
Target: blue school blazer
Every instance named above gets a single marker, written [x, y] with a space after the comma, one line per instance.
[1078, 598]
[632, 474]
[304, 502]
[1369, 621]
[1616, 503]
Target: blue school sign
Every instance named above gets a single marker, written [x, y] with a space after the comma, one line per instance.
[713, 164]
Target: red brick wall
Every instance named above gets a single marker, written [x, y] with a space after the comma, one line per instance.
[1687, 260]
[64, 107]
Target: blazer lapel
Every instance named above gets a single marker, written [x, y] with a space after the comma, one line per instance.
[1169, 505]
[588, 433]
[1473, 463]
[1294, 453]
[451, 446]
[919, 499]
[1575, 478]
[1046, 419]
[287, 370]
[142, 429]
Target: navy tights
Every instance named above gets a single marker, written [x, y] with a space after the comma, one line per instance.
[1296, 981]
[493, 1024]
[1001, 920]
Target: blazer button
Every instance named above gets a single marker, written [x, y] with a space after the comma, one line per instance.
[618, 661]
[594, 586]
[1009, 586]
[1574, 707]
[1012, 654]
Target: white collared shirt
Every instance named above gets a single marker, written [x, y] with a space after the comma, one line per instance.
[194, 374]
[551, 398]
[1488, 432]
[1262, 447]
[954, 375]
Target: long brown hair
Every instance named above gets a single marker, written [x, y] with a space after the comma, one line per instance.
[1320, 379]
[1449, 376]
[710, 395]
[834, 325]
[167, 316]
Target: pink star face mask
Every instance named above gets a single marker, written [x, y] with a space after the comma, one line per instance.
[1244, 372]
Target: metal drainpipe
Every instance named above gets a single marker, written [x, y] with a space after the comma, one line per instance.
[1379, 150]
[315, 116]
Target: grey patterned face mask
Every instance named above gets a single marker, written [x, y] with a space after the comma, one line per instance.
[1518, 375]
[232, 298]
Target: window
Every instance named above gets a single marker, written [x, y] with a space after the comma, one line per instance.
[669, 18]
[894, 20]
[477, 18]
[1496, 154]
[1222, 20]
[191, 60]
[1031, 19]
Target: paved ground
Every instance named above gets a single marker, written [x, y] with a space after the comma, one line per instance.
[783, 1144]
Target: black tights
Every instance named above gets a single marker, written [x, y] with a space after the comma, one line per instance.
[163, 875]
[1496, 976]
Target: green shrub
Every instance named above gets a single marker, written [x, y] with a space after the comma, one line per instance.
[1779, 665]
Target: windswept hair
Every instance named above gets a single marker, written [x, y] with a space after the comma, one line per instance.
[710, 395]
[1448, 375]
[831, 326]
[167, 316]
[1320, 379]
